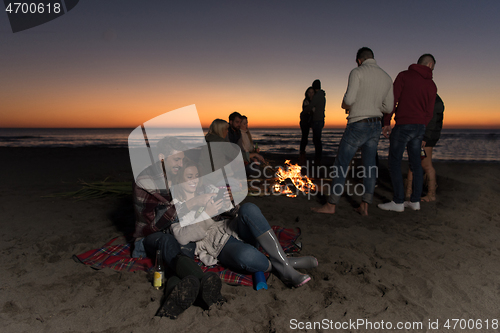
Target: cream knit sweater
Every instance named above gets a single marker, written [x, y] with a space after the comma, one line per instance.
[369, 92]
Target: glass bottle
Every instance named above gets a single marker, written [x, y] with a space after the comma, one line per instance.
[422, 153]
[159, 271]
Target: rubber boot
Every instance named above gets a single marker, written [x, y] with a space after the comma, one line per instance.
[210, 287]
[279, 260]
[180, 294]
[210, 283]
[303, 262]
[185, 266]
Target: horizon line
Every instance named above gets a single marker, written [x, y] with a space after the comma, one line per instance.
[257, 127]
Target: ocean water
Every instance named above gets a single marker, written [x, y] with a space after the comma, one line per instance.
[455, 144]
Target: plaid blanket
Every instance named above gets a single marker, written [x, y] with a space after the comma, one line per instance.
[118, 257]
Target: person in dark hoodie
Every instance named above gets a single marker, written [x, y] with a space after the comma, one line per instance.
[317, 107]
[414, 99]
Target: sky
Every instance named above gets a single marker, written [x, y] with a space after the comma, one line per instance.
[119, 63]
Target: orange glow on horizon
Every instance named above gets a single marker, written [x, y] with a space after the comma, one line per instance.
[106, 119]
[127, 108]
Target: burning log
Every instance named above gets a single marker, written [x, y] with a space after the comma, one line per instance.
[289, 182]
[293, 172]
[290, 185]
[293, 176]
[287, 188]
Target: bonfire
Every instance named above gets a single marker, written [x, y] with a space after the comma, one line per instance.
[293, 173]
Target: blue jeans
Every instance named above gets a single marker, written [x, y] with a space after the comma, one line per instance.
[406, 137]
[243, 255]
[317, 128]
[357, 135]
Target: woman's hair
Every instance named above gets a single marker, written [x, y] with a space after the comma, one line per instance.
[217, 127]
[179, 193]
[307, 97]
[248, 130]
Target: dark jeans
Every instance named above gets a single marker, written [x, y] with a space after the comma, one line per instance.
[168, 246]
[243, 255]
[317, 128]
[406, 137]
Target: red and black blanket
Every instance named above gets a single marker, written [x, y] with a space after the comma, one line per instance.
[118, 257]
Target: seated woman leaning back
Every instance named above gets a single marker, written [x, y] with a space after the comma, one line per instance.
[231, 238]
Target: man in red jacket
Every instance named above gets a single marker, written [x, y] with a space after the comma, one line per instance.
[414, 98]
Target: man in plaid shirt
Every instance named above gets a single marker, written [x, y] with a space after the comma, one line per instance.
[155, 212]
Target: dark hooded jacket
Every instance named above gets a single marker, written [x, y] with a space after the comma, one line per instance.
[414, 96]
[318, 102]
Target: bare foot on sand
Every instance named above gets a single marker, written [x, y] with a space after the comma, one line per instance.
[327, 208]
[428, 198]
[363, 209]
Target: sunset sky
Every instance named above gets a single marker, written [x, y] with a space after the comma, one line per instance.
[119, 63]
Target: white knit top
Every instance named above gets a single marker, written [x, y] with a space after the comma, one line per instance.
[369, 92]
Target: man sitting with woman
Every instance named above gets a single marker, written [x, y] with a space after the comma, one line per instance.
[155, 211]
[231, 238]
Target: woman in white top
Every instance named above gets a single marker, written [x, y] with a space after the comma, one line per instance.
[232, 239]
[251, 154]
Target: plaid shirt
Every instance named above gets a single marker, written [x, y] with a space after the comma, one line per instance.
[153, 205]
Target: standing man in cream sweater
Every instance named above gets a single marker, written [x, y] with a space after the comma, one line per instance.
[369, 94]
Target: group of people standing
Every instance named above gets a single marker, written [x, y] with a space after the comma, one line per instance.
[370, 101]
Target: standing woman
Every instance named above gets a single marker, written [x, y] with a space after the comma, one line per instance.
[431, 137]
[306, 118]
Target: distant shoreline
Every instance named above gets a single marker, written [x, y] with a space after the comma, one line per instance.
[454, 145]
[279, 159]
[478, 128]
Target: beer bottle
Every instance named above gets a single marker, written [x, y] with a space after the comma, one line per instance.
[422, 153]
[159, 271]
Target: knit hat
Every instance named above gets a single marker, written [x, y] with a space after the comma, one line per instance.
[316, 84]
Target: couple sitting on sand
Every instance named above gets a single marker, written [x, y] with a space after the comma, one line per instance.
[170, 193]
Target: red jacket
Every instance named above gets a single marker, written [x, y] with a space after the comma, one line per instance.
[414, 96]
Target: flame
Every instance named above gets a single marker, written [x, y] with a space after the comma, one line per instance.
[293, 172]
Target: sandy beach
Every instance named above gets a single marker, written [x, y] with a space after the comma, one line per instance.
[435, 264]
